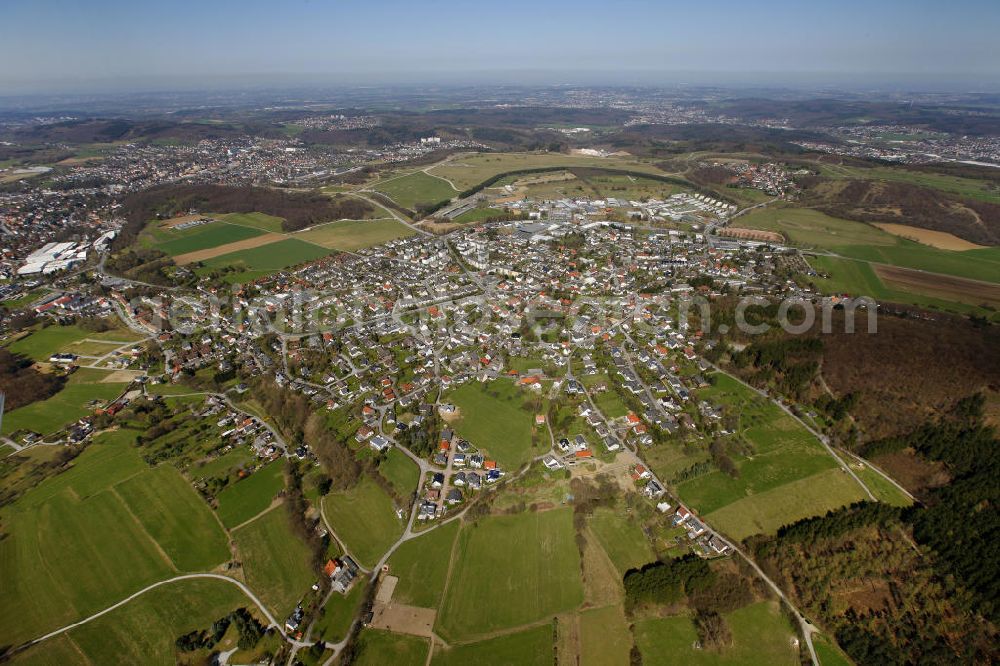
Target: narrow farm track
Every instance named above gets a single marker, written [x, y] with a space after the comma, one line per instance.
[246, 590]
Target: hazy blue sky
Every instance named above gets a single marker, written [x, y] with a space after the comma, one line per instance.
[48, 44]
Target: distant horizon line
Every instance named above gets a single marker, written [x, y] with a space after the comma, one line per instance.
[843, 81]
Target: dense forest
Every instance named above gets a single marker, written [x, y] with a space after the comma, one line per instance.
[960, 522]
[890, 600]
[856, 572]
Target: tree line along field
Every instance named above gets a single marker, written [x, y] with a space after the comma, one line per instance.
[107, 527]
[786, 462]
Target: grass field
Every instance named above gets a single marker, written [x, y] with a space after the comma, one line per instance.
[787, 462]
[176, 518]
[207, 236]
[93, 514]
[400, 471]
[493, 420]
[143, 631]
[527, 648]
[883, 490]
[44, 342]
[622, 539]
[811, 228]
[339, 612]
[377, 648]
[241, 501]
[259, 261]
[629, 187]
[275, 561]
[477, 215]
[224, 465]
[765, 512]
[473, 169]
[66, 406]
[261, 221]
[350, 235]
[364, 518]
[512, 570]
[417, 188]
[26, 300]
[421, 565]
[761, 636]
[604, 636]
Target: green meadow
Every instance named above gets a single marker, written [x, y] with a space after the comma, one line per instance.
[257, 262]
[351, 235]
[71, 403]
[415, 189]
[786, 461]
[276, 562]
[244, 499]
[208, 236]
[761, 636]
[143, 631]
[44, 342]
[492, 419]
[525, 648]
[364, 518]
[513, 570]
[378, 648]
[421, 564]
[856, 240]
[400, 471]
[131, 525]
[622, 539]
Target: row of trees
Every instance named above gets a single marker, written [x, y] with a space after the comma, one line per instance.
[667, 582]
